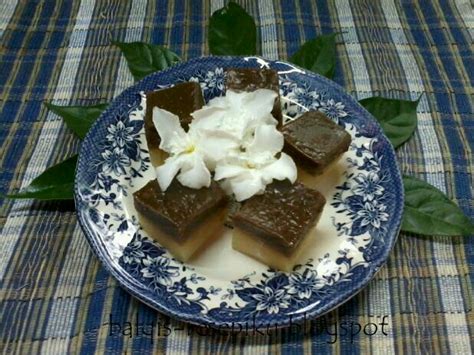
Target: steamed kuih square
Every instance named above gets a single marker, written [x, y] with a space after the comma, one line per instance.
[181, 219]
[314, 141]
[249, 79]
[275, 227]
[181, 100]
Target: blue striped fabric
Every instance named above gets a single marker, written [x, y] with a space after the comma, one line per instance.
[56, 298]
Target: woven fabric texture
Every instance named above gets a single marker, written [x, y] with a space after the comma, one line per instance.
[55, 297]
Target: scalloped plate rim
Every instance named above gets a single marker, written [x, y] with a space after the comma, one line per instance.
[134, 289]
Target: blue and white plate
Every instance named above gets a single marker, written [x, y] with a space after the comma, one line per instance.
[221, 286]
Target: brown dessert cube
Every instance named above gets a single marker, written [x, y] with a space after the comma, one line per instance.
[181, 219]
[275, 226]
[181, 100]
[314, 141]
[249, 79]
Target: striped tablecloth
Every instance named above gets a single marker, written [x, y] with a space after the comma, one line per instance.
[55, 297]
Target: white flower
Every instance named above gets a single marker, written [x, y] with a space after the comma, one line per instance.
[235, 136]
[247, 173]
[237, 114]
[190, 152]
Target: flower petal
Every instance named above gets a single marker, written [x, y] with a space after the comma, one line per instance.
[233, 100]
[169, 129]
[227, 121]
[267, 139]
[215, 146]
[195, 173]
[281, 169]
[237, 113]
[225, 171]
[257, 104]
[247, 185]
[208, 117]
[219, 101]
[225, 185]
[165, 173]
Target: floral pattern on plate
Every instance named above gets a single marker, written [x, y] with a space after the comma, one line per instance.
[363, 209]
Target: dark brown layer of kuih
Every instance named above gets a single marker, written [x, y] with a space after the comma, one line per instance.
[178, 210]
[248, 79]
[181, 99]
[314, 140]
[282, 215]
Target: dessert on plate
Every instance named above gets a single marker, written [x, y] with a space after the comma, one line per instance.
[234, 151]
[315, 142]
[182, 219]
[275, 227]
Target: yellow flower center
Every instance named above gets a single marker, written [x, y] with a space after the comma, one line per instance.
[190, 149]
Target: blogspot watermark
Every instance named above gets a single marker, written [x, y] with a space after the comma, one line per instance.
[332, 330]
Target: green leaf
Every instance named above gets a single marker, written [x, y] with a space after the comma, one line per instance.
[78, 118]
[397, 117]
[318, 55]
[428, 211]
[55, 183]
[232, 31]
[145, 58]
